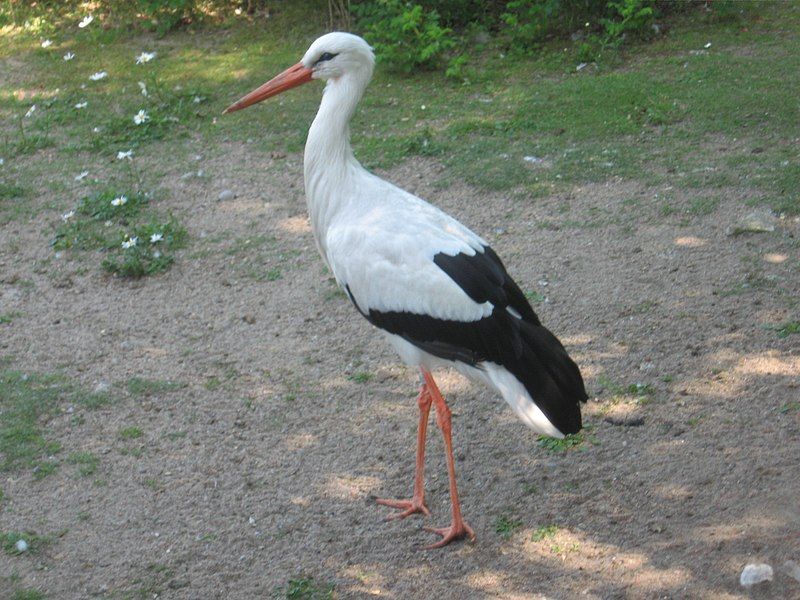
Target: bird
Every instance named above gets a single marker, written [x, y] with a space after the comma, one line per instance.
[436, 291]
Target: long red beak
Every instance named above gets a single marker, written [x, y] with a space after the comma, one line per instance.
[291, 77]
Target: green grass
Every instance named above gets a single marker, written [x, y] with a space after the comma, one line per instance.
[360, 377]
[305, 588]
[535, 297]
[130, 433]
[8, 317]
[784, 330]
[556, 445]
[85, 461]
[505, 526]
[667, 113]
[27, 401]
[27, 594]
[641, 393]
[543, 533]
[136, 239]
[35, 542]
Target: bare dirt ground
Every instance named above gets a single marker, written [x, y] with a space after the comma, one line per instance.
[264, 467]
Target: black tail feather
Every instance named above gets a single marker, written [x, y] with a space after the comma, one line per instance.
[551, 377]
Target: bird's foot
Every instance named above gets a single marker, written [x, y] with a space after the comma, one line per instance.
[459, 529]
[407, 507]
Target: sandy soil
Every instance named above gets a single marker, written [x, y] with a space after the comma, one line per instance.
[264, 467]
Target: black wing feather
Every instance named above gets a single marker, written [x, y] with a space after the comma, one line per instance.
[522, 345]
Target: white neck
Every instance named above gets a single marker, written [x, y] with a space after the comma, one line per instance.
[329, 162]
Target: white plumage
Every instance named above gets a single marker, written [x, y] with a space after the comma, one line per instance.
[437, 291]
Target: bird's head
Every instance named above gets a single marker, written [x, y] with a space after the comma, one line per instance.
[331, 56]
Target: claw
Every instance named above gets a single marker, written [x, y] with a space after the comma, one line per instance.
[455, 532]
[407, 507]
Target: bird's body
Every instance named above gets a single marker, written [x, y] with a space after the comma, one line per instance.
[437, 291]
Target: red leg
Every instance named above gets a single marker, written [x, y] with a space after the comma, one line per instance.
[458, 528]
[417, 502]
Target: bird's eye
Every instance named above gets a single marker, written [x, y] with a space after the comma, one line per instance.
[325, 56]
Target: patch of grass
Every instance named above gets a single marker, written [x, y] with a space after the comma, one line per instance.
[130, 433]
[138, 386]
[784, 330]
[556, 446]
[535, 297]
[641, 393]
[35, 542]
[543, 533]
[273, 274]
[703, 206]
[245, 245]
[360, 377]
[213, 383]
[26, 401]
[789, 407]
[27, 594]
[148, 250]
[505, 526]
[8, 317]
[305, 588]
[86, 462]
[134, 238]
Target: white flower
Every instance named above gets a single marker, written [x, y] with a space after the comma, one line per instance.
[130, 242]
[145, 57]
[83, 104]
[126, 154]
[69, 56]
[143, 87]
[85, 21]
[140, 117]
[2, 161]
[98, 76]
[156, 237]
[197, 99]
[119, 201]
[47, 43]
[81, 175]
[95, 130]
[31, 110]
[67, 216]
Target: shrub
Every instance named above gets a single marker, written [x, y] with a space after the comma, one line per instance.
[629, 16]
[403, 34]
[529, 22]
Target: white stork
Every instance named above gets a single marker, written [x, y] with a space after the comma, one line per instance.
[438, 293]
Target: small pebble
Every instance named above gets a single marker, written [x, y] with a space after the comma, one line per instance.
[755, 573]
[21, 545]
[226, 195]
